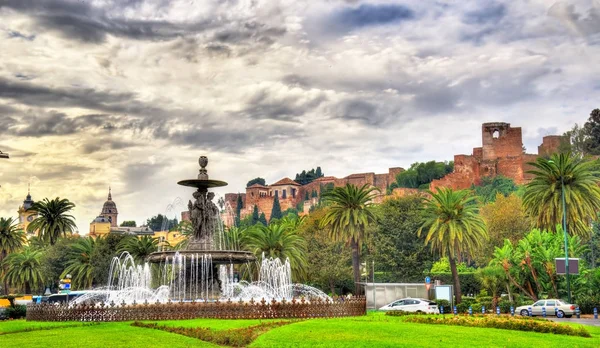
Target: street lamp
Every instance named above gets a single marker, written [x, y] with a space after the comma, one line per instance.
[3, 155]
[564, 206]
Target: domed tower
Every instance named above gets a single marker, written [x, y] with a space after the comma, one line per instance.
[25, 214]
[109, 210]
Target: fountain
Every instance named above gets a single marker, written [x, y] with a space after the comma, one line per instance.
[201, 279]
[197, 267]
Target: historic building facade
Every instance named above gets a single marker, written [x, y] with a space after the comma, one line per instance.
[501, 153]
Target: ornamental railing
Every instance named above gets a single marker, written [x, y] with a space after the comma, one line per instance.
[338, 307]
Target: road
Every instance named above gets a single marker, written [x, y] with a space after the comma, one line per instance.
[593, 322]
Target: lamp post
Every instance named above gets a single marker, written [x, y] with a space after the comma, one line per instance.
[564, 206]
[564, 223]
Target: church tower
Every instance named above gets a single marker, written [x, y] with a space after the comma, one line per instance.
[26, 215]
[109, 210]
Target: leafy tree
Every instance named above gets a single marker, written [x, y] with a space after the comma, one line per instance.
[453, 227]
[329, 265]
[276, 210]
[529, 264]
[54, 259]
[128, 223]
[139, 248]
[592, 255]
[576, 141]
[505, 218]
[24, 269]
[493, 280]
[490, 187]
[278, 240]
[397, 251]
[80, 265]
[350, 213]
[262, 219]
[255, 215]
[419, 175]
[104, 251]
[443, 266]
[161, 223]
[592, 128]
[239, 205]
[53, 220]
[543, 195]
[308, 177]
[11, 239]
[259, 181]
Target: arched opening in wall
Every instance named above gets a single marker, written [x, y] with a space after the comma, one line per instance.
[496, 134]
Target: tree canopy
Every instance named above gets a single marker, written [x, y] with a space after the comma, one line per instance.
[258, 180]
[161, 223]
[420, 175]
[308, 176]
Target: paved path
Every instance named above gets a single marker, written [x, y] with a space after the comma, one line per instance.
[593, 322]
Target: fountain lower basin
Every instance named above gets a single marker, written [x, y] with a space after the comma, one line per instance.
[217, 256]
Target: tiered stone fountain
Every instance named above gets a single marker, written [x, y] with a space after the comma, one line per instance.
[207, 249]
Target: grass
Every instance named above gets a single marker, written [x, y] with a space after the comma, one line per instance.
[373, 330]
[11, 326]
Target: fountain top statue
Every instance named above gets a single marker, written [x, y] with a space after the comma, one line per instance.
[203, 182]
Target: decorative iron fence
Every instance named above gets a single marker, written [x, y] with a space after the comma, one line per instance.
[339, 307]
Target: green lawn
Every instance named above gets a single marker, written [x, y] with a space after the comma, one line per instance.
[374, 330]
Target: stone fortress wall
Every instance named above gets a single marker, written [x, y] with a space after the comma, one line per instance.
[501, 153]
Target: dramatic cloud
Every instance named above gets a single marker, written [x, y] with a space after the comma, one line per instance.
[128, 93]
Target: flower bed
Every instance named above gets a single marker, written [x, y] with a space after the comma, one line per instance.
[505, 323]
[234, 337]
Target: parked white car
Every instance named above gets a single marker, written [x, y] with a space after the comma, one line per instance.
[412, 305]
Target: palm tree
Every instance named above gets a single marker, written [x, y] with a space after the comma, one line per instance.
[139, 248]
[277, 241]
[349, 213]
[493, 279]
[543, 195]
[24, 269]
[12, 239]
[453, 227]
[79, 265]
[52, 220]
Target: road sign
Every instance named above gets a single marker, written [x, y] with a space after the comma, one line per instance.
[573, 266]
[67, 286]
[427, 280]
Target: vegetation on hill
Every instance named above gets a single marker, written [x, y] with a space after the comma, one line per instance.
[421, 174]
[308, 176]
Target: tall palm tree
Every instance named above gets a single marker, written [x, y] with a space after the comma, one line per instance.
[24, 269]
[139, 248]
[453, 227]
[278, 241]
[79, 265]
[543, 195]
[349, 213]
[12, 239]
[53, 220]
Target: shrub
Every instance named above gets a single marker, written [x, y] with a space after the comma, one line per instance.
[587, 303]
[505, 306]
[505, 323]
[16, 312]
[444, 303]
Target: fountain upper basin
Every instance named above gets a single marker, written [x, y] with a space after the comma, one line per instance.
[217, 256]
[202, 183]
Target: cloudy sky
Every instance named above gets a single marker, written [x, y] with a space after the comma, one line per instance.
[128, 93]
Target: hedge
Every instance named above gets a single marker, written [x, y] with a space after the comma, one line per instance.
[505, 323]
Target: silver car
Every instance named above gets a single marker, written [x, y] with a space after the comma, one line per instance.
[562, 309]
